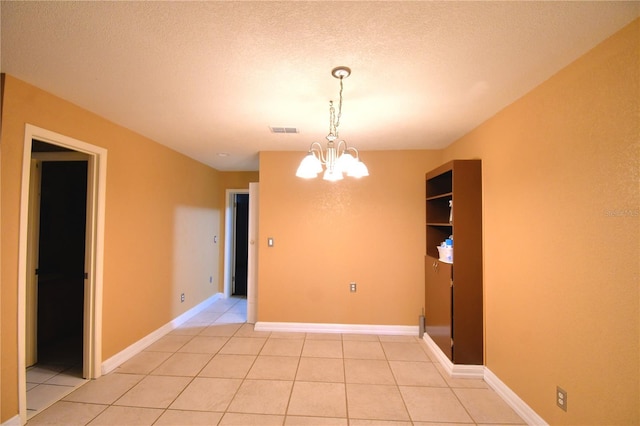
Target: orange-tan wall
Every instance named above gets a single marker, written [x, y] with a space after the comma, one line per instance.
[328, 234]
[561, 237]
[561, 233]
[162, 210]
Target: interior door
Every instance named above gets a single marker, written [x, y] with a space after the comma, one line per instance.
[33, 232]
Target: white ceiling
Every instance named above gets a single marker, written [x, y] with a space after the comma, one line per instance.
[210, 77]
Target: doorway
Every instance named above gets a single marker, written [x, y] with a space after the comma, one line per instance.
[58, 299]
[240, 245]
[55, 294]
[60, 271]
[250, 242]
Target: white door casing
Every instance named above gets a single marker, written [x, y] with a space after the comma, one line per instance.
[229, 249]
[33, 237]
[94, 252]
[252, 262]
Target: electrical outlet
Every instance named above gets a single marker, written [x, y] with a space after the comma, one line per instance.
[561, 398]
[352, 287]
[182, 298]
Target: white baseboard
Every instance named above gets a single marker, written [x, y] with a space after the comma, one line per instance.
[482, 372]
[453, 370]
[134, 349]
[13, 421]
[306, 327]
[513, 400]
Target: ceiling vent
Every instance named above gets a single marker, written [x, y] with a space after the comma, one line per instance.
[284, 129]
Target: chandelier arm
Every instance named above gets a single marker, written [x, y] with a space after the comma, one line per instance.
[350, 148]
[342, 144]
[316, 147]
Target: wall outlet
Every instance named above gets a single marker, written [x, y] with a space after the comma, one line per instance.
[353, 287]
[561, 398]
[182, 298]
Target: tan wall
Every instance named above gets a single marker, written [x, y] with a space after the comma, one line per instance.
[561, 237]
[560, 221]
[326, 235]
[161, 210]
[230, 180]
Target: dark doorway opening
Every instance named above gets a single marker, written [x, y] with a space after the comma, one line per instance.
[61, 262]
[241, 247]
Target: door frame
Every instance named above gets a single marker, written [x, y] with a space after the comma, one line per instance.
[33, 241]
[229, 251]
[229, 240]
[252, 261]
[94, 253]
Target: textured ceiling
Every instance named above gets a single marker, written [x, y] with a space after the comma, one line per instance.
[210, 77]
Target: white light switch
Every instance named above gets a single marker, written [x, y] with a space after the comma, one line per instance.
[270, 241]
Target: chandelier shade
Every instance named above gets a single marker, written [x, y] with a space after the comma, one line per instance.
[337, 158]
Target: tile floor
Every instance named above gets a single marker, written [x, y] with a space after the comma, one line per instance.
[48, 383]
[57, 374]
[216, 370]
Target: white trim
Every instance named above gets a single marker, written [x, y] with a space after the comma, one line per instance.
[13, 421]
[229, 237]
[228, 242]
[482, 372]
[252, 254]
[302, 327]
[60, 156]
[98, 163]
[453, 370]
[129, 352]
[513, 400]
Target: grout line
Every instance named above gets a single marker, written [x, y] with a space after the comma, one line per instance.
[242, 330]
[242, 380]
[344, 377]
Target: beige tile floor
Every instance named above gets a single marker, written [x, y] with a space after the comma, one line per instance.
[216, 370]
[58, 373]
[47, 383]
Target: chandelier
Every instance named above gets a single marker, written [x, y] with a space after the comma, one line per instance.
[338, 158]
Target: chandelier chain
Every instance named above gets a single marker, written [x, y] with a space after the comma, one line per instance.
[339, 108]
[334, 121]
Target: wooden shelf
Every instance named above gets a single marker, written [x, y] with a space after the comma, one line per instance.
[453, 292]
[446, 195]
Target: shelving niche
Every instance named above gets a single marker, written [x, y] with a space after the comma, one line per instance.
[453, 292]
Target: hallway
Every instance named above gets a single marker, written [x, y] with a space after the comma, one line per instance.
[215, 369]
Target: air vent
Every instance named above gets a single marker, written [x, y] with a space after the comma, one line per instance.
[284, 130]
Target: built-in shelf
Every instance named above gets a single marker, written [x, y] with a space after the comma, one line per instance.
[453, 292]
